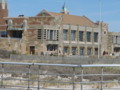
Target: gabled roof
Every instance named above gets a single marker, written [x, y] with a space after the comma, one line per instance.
[44, 11]
[75, 20]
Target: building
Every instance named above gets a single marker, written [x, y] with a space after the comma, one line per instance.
[52, 33]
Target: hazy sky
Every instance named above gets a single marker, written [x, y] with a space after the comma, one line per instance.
[91, 8]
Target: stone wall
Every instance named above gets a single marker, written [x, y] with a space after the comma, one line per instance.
[66, 59]
[10, 44]
[104, 37]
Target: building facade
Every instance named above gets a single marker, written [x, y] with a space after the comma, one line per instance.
[50, 33]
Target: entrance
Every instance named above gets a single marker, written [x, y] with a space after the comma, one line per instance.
[32, 49]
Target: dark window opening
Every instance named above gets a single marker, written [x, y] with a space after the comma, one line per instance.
[88, 36]
[43, 14]
[73, 50]
[80, 35]
[52, 47]
[81, 51]
[95, 37]
[16, 34]
[32, 49]
[3, 34]
[89, 51]
[96, 51]
[65, 50]
[117, 49]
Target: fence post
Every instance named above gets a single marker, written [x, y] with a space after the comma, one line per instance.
[73, 78]
[81, 78]
[101, 78]
[29, 77]
[38, 77]
[2, 77]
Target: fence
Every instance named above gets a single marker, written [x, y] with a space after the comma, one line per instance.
[42, 76]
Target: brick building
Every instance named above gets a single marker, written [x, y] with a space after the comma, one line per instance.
[55, 33]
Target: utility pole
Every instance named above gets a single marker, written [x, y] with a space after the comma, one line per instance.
[99, 35]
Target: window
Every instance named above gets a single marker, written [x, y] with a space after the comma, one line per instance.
[39, 34]
[57, 35]
[65, 50]
[73, 32]
[3, 34]
[65, 32]
[51, 47]
[73, 50]
[81, 51]
[80, 35]
[44, 34]
[96, 51]
[89, 51]
[95, 37]
[88, 36]
[16, 34]
[51, 34]
[43, 14]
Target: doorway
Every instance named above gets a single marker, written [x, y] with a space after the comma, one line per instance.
[32, 49]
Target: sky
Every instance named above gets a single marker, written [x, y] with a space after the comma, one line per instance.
[110, 9]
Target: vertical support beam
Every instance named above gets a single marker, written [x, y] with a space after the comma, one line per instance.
[29, 72]
[38, 78]
[81, 78]
[2, 76]
[48, 34]
[73, 78]
[101, 78]
[53, 35]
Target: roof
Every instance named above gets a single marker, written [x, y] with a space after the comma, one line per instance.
[75, 20]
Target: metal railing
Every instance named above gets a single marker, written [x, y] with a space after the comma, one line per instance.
[42, 76]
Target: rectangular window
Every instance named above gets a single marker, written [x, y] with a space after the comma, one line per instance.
[95, 37]
[44, 34]
[96, 51]
[3, 34]
[51, 47]
[57, 35]
[51, 34]
[65, 50]
[73, 50]
[39, 33]
[80, 35]
[16, 34]
[88, 36]
[43, 14]
[73, 32]
[81, 51]
[89, 51]
[65, 32]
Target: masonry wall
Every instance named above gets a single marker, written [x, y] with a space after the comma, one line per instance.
[67, 60]
[10, 44]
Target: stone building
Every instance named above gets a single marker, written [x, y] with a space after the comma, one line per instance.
[52, 33]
